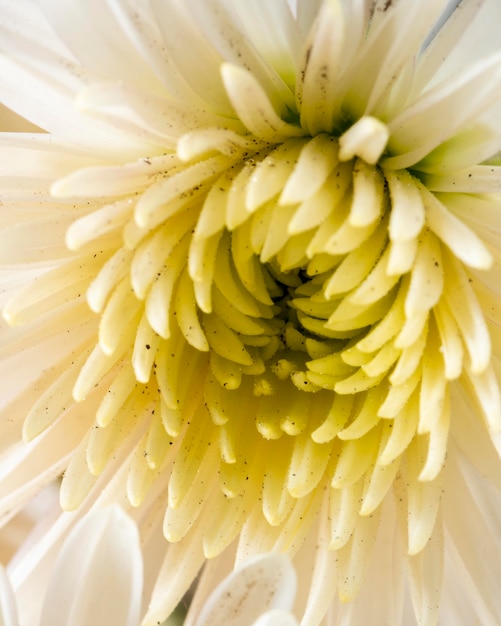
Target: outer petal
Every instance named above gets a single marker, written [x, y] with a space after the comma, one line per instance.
[264, 583]
[98, 44]
[276, 617]
[471, 515]
[8, 610]
[97, 578]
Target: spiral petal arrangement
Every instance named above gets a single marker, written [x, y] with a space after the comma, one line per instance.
[251, 270]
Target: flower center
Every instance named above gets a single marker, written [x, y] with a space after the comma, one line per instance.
[286, 250]
[304, 268]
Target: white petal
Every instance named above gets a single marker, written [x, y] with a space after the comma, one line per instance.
[425, 578]
[321, 592]
[44, 102]
[226, 27]
[24, 18]
[254, 107]
[380, 599]
[8, 609]
[276, 617]
[114, 180]
[97, 578]
[306, 12]
[469, 34]
[407, 211]
[141, 26]
[322, 56]
[366, 138]
[444, 111]
[264, 582]
[273, 32]
[191, 53]
[396, 32]
[179, 568]
[38, 155]
[472, 522]
[479, 179]
[462, 241]
[99, 45]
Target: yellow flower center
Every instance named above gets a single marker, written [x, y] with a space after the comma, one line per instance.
[278, 315]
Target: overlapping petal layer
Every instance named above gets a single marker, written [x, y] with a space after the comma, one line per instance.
[252, 268]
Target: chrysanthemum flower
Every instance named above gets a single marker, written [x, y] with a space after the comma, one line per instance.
[250, 290]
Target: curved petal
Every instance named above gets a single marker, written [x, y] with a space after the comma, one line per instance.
[264, 582]
[98, 576]
[98, 44]
[276, 617]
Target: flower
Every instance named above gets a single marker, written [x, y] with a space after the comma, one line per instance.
[97, 577]
[250, 288]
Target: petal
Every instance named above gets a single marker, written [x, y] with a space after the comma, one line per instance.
[443, 111]
[229, 27]
[45, 102]
[264, 582]
[8, 609]
[396, 32]
[276, 617]
[253, 106]
[316, 92]
[97, 578]
[472, 523]
[99, 45]
[478, 179]
[190, 52]
[470, 33]
[274, 33]
[381, 597]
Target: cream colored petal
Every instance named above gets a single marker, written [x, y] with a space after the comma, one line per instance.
[233, 30]
[265, 582]
[470, 503]
[8, 609]
[274, 33]
[469, 34]
[138, 21]
[97, 577]
[190, 52]
[426, 578]
[321, 58]
[443, 112]
[477, 179]
[276, 617]
[395, 34]
[254, 107]
[104, 51]
[382, 592]
[50, 106]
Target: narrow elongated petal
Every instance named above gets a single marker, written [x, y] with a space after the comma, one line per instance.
[249, 289]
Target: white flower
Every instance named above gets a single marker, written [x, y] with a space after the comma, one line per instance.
[250, 291]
